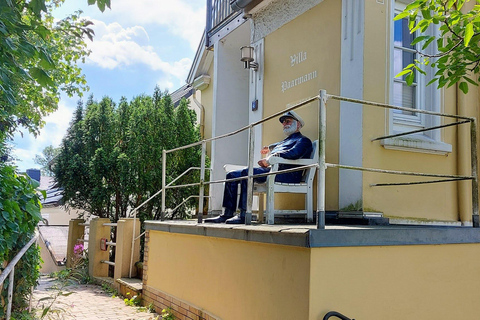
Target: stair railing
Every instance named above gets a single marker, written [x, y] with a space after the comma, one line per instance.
[10, 272]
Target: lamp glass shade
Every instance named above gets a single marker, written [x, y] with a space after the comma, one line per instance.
[247, 54]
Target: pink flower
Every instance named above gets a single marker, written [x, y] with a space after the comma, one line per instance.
[78, 249]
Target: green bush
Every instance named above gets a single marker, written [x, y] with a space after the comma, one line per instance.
[19, 215]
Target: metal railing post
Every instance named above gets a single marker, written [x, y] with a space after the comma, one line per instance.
[202, 185]
[208, 26]
[164, 177]
[322, 131]
[474, 173]
[251, 144]
[11, 278]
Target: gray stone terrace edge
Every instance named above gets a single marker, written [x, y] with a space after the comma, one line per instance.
[308, 236]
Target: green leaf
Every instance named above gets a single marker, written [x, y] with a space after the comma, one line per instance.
[409, 78]
[37, 6]
[468, 34]
[464, 87]
[427, 43]
[42, 77]
[419, 39]
[401, 15]
[414, 5]
[404, 72]
[431, 81]
[470, 80]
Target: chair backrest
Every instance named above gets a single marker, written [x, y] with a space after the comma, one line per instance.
[309, 173]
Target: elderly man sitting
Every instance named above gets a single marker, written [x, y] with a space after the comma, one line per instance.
[295, 146]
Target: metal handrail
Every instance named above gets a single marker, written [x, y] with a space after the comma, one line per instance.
[322, 165]
[336, 314]
[10, 271]
[134, 211]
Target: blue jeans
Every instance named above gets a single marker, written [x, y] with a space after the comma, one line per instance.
[231, 188]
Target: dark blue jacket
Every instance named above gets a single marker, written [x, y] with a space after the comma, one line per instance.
[295, 146]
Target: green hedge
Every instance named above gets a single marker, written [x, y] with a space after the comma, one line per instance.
[19, 215]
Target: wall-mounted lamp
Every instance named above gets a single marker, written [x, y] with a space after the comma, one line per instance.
[247, 58]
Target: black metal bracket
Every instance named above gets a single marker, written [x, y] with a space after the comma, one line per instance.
[335, 314]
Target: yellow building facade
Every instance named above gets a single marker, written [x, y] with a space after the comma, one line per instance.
[350, 49]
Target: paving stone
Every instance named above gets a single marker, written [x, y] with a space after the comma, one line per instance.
[86, 302]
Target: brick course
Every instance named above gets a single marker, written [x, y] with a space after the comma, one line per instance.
[181, 309]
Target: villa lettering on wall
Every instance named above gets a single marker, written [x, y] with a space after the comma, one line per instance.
[295, 82]
[296, 59]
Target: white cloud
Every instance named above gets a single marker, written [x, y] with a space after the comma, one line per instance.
[115, 46]
[184, 18]
[51, 134]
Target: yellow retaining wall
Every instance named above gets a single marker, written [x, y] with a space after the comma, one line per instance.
[233, 279]
[396, 282]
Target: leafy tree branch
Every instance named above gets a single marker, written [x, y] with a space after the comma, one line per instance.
[458, 22]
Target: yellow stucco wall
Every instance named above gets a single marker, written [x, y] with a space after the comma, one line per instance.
[231, 279]
[396, 283]
[315, 35]
[432, 201]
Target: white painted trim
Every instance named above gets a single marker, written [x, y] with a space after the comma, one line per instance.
[351, 114]
[420, 144]
[277, 14]
[256, 92]
[202, 82]
[406, 221]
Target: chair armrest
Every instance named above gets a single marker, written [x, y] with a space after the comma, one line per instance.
[230, 167]
[279, 160]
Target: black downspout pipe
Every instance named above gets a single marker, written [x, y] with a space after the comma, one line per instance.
[336, 314]
[238, 5]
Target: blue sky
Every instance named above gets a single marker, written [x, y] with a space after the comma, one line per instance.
[137, 45]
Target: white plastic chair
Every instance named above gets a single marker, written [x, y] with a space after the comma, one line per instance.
[270, 187]
[305, 186]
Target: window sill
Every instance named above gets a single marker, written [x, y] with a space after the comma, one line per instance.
[420, 144]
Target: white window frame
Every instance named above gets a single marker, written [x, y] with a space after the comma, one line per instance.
[427, 98]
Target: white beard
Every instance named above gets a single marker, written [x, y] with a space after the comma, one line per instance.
[289, 129]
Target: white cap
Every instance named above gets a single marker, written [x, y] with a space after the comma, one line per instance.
[294, 115]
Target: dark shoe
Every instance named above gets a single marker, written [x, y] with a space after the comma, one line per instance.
[227, 214]
[240, 219]
[220, 219]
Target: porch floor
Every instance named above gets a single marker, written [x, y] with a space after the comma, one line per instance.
[332, 236]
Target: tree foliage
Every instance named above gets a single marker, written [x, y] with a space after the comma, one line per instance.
[19, 215]
[48, 154]
[458, 58]
[110, 159]
[38, 58]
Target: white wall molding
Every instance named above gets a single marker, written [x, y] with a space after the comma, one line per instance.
[277, 14]
[351, 114]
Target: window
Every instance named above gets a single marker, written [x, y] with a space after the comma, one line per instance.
[417, 96]
[403, 55]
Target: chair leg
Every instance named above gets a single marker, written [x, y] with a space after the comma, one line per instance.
[270, 204]
[309, 205]
[261, 207]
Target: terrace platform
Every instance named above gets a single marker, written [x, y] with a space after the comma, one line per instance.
[298, 272]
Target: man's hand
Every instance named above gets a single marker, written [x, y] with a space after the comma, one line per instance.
[265, 150]
[263, 163]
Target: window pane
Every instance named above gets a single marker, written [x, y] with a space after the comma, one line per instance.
[401, 59]
[404, 96]
[402, 36]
